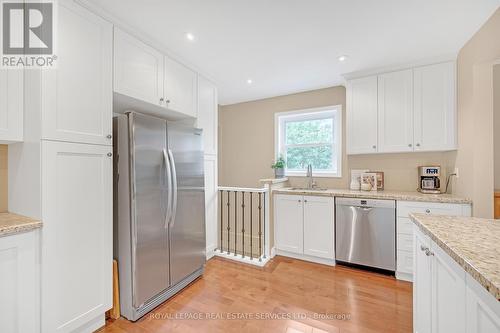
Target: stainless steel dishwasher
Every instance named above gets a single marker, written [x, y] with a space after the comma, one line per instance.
[365, 232]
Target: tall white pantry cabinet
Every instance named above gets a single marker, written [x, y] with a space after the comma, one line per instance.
[62, 172]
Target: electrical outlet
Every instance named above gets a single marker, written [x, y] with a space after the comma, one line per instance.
[456, 173]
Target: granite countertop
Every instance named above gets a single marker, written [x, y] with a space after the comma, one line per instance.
[14, 224]
[388, 195]
[473, 243]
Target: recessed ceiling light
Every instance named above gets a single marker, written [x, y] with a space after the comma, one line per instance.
[249, 81]
[190, 36]
[342, 58]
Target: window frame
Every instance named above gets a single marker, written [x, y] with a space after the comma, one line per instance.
[333, 111]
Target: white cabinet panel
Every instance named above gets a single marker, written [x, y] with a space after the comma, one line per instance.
[138, 69]
[288, 214]
[11, 105]
[319, 227]
[207, 114]
[405, 261]
[448, 293]
[19, 289]
[362, 116]
[435, 107]
[180, 88]
[395, 112]
[77, 96]
[421, 285]
[407, 207]
[77, 235]
[483, 310]
[211, 201]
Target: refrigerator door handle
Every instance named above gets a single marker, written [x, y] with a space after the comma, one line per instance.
[168, 212]
[174, 188]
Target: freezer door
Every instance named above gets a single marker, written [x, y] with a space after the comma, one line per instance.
[150, 248]
[187, 223]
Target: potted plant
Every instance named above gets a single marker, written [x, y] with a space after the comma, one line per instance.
[279, 167]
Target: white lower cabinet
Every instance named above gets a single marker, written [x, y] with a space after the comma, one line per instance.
[445, 297]
[288, 226]
[11, 105]
[304, 226]
[318, 227]
[405, 253]
[19, 287]
[77, 236]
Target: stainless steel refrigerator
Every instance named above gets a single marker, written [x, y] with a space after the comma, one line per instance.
[159, 210]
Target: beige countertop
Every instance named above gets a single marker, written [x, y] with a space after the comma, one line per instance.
[14, 224]
[473, 243]
[388, 195]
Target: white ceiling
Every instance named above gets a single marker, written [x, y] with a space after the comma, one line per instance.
[287, 46]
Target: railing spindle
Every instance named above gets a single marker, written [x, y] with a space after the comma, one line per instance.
[243, 224]
[260, 226]
[221, 219]
[228, 227]
[265, 202]
[251, 225]
[235, 221]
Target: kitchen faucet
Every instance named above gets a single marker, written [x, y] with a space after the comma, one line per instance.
[310, 181]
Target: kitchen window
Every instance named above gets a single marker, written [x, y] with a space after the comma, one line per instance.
[311, 136]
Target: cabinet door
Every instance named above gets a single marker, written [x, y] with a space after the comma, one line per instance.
[421, 284]
[11, 105]
[435, 107]
[395, 112]
[77, 101]
[180, 88]
[77, 239]
[19, 290]
[207, 114]
[319, 227]
[483, 310]
[448, 293]
[211, 203]
[362, 116]
[288, 215]
[138, 69]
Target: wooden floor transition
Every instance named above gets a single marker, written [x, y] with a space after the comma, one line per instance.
[298, 297]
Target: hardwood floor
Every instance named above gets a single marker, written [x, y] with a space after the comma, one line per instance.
[233, 297]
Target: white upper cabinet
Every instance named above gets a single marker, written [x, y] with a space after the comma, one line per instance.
[180, 85]
[77, 95]
[435, 107]
[138, 69]
[395, 112]
[207, 114]
[403, 111]
[11, 105]
[362, 116]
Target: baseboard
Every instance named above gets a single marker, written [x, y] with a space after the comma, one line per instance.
[323, 261]
[273, 252]
[92, 325]
[404, 276]
[210, 251]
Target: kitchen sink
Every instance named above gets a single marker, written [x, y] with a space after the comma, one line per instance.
[319, 189]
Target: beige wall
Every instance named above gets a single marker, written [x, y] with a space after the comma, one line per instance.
[496, 124]
[3, 178]
[246, 145]
[475, 156]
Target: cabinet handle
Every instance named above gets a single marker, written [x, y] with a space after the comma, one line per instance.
[410, 145]
[428, 211]
[374, 147]
[305, 200]
[110, 154]
[428, 253]
[161, 100]
[300, 200]
[167, 101]
[109, 136]
[423, 248]
[418, 144]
